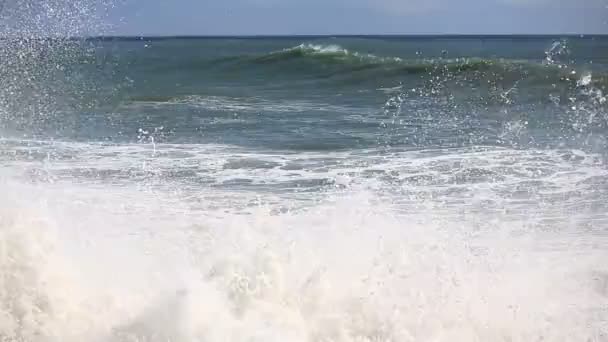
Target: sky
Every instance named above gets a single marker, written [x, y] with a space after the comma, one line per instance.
[260, 17]
[303, 17]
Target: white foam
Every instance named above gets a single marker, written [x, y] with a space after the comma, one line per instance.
[337, 50]
[120, 264]
[585, 80]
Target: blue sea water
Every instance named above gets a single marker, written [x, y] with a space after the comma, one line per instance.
[304, 189]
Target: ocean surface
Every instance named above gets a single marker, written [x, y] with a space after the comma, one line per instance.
[326, 189]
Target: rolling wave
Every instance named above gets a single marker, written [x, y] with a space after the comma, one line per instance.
[327, 53]
[331, 60]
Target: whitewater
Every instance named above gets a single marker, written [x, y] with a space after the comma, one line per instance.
[131, 262]
[341, 189]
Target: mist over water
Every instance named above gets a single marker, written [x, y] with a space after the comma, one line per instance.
[332, 189]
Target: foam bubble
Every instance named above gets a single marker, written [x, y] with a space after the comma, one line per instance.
[348, 269]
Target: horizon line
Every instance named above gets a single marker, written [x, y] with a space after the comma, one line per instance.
[287, 36]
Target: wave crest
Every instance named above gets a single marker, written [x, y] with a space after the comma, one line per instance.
[334, 59]
[327, 53]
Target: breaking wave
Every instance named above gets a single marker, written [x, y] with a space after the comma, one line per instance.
[348, 269]
[318, 58]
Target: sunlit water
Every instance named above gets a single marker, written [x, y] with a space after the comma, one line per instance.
[304, 190]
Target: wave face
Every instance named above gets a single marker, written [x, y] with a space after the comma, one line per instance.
[284, 190]
[330, 60]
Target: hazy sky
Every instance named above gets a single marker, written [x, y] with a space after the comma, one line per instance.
[255, 17]
[218, 17]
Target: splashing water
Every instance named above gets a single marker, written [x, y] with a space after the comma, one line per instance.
[397, 234]
[41, 53]
[37, 19]
[557, 50]
[268, 277]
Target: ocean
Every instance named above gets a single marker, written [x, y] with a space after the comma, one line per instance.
[362, 188]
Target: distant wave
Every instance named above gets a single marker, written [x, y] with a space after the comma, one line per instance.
[333, 60]
[327, 53]
[336, 55]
